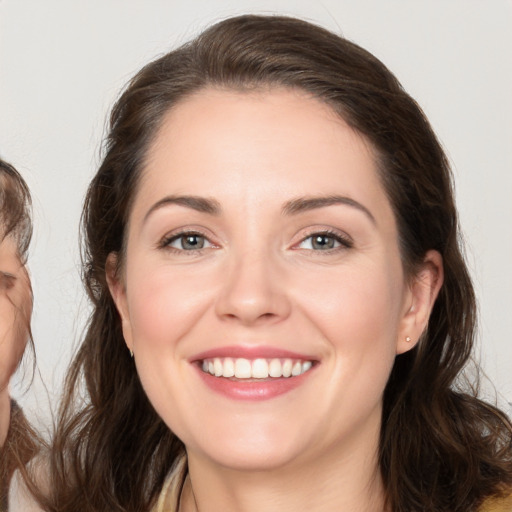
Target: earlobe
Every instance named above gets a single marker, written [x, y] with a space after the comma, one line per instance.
[423, 292]
[117, 290]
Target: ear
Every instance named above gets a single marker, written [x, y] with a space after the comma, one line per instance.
[117, 288]
[422, 294]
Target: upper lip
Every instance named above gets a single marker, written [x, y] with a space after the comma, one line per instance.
[251, 352]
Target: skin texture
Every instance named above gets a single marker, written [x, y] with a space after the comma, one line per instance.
[257, 281]
[15, 310]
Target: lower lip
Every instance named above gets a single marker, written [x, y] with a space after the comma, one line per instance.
[263, 389]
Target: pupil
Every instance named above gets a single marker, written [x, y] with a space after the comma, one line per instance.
[192, 242]
[323, 242]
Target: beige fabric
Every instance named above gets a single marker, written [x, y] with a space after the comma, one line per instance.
[498, 505]
[169, 498]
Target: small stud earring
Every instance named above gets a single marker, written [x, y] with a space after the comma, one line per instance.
[408, 339]
[131, 353]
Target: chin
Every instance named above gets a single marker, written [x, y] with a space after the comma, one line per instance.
[252, 458]
[260, 448]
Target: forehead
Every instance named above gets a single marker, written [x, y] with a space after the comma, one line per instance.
[255, 143]
[225, 118]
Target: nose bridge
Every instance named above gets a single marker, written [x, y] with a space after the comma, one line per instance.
[253, 290]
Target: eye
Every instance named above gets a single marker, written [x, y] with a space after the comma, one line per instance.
[187, 242]
[324, 242]
[6, 280]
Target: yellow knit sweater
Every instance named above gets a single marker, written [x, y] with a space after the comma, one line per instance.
[498, 505]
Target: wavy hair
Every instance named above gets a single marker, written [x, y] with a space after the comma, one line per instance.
[441, 448]
[15, 208]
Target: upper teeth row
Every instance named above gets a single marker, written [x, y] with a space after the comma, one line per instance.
[256, 369]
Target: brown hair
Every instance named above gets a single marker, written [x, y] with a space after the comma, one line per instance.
[441, 449]
[15, 208]
[15, 221]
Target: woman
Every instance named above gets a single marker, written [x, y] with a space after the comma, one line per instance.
[17, 443]
[281, 309]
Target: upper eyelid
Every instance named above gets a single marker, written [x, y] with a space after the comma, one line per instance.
[7, 275]
[332, 232]
[177, 234]
[174, 235]
[193, 230]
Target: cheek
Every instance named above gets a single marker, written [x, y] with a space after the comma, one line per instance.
[358, 316]
[13, 339]
[361, 304]
[164, 305]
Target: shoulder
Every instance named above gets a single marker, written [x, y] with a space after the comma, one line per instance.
[498, 504]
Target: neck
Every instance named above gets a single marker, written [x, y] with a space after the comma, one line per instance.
[5, 414]
[334, 481]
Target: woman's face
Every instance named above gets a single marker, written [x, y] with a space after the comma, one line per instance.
[15, 309]
[261, 243]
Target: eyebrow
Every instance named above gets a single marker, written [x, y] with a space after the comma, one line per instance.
[303, 204]
[295, 206]
[200, 204]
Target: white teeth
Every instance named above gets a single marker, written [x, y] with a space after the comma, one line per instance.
[306, 366]
[229, 368]
[217, 367]
[259, 369]
[297, 369]
[275, 368]
[287, 368]
[242, 368]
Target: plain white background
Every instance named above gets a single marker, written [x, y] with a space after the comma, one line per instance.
[62, 64]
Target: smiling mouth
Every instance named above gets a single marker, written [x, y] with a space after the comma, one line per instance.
[241, 368]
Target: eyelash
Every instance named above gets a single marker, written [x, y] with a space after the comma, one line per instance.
[166, 242]
[344, 241]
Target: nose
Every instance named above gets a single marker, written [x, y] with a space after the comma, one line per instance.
[253, 291]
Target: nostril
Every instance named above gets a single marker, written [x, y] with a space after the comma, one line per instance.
[250, 318]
